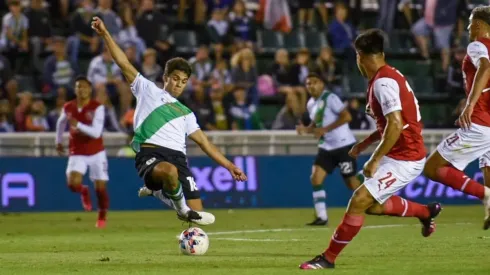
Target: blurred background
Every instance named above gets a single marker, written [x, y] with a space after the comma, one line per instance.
[250, 59]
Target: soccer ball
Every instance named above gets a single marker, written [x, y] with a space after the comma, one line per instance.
[193, 241]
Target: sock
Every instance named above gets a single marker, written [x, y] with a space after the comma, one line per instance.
[159, 194]
[319, 197]
[400, 207]
[103, 200]
[456, 179]
[347, 230]
[178, 199]
[76, 188]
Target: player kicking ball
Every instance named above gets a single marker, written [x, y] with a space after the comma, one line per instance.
[472, 140]
[398, 159]
[161, 125]
[86, 147]
[329, 124]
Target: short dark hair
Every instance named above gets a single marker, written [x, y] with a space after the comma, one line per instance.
[315, 75]
[177, 64]
[83, 78]
[370, 42]
[482, 13]
[14, 3]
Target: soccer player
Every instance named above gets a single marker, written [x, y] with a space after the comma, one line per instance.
[86, 147]
[329, 124]
[397, 160]
[472, 140]
[161, 125]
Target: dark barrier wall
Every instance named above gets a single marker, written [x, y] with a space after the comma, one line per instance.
[38, 184]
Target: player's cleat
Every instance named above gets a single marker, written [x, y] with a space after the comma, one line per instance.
[144, 192]
[486, 223]
[429, 224]
[197, 217]
[85, 197]
[319, 262]
[100, 224]
[318, 222]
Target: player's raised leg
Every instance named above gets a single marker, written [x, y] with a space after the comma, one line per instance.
[318, 175]
[76, 168]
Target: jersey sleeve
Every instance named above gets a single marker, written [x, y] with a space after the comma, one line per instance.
[477, 50]
[335, 104]
[309, 108]
[140, 85]
[387, 92]
[191, 124]
[60, 126]
[94, 130]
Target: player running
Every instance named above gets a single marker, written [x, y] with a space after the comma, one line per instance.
[161, 125]
[329, 124]
[398, 159]
[86, 147]
[472, 140]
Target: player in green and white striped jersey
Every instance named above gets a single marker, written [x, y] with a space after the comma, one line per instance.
[161, 126]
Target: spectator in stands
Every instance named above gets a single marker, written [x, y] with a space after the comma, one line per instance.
[455, 80]
[306, 14]
[220, 112]
[148, 23]
[221, 76]
[132, 53]
[111, 123]
[5, 123]
[286, 119]
[39, 30]
[36, 119]
[242, 25]
[244, 73]
[127, 120]
[440, 17]
[299, 71]
[360, 120]
[8, 84]
[326, 67]
[59, 71]
[128, 33]
[200, 104]
[111, 20]
[202, 68]
[107, 79]
[244, 113]
[84, 38]
[219, 29]
[150, 69]
[386, 15]
[341, 33]
[54, 114]
[14, 37]
[21, 111]
[284, 79]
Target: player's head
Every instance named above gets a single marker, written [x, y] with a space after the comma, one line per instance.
[479, 22]
[369, 47]
[83, 88]
[175, 76]
[315, 84]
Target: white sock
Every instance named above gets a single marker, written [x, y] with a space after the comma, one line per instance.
[158, 194]
[178, 200]
[319, 198]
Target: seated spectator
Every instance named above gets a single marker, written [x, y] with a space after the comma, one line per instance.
[218, 28]
[200, 104]
[127, 151]
[111, 123]
[220, 112]
[39, 30]
[244, 73]
[455, 80]
[107, 79]
[341, 33]
[360, 121]
[299, 72]
[128, 33]
[8, 84]
[221, 76]
[83, 38]
[243, 113]
[306, 13]
[326, 67]
[132, 53]
[201, 69]
[111, 20]
[150, 68]
[36, 119]
[286, 119]
[14, 37]
[242, 25]
[59, 71]
[54, 114]
[5, 123]
[21, 111]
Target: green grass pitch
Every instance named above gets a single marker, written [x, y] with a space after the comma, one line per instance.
[262, 241]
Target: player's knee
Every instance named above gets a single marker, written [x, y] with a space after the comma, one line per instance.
[361, 199]
[167, 173]
[430, 169]
[74, 179]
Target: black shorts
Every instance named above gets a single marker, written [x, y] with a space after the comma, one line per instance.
[148, 157]
[328, 160]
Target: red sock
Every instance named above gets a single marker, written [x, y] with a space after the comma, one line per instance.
[347, 230]
[77, 188]
[400, 207]
[456, 179]
[103, 200]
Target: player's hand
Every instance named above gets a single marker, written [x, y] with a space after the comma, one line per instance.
[98, 26]
[465, 117]
[319, 132]
[356, 150]
[300, 129]
[370, 168]
[237, 173]
[60, 149]
[73, 122]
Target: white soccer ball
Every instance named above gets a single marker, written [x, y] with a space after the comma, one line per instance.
[193, 241]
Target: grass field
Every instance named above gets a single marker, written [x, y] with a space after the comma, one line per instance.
[241, 242]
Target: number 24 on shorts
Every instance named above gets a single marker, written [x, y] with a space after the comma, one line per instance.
[387, 181]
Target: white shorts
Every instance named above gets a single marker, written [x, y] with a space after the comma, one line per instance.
[391, 176]
[464, 146]
[97, 165]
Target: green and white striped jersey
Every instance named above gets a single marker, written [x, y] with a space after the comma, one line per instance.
[159, 118]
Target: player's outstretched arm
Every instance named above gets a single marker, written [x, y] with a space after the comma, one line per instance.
[94, 130]
[481, 79]
[213, 152]
[129, 71]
